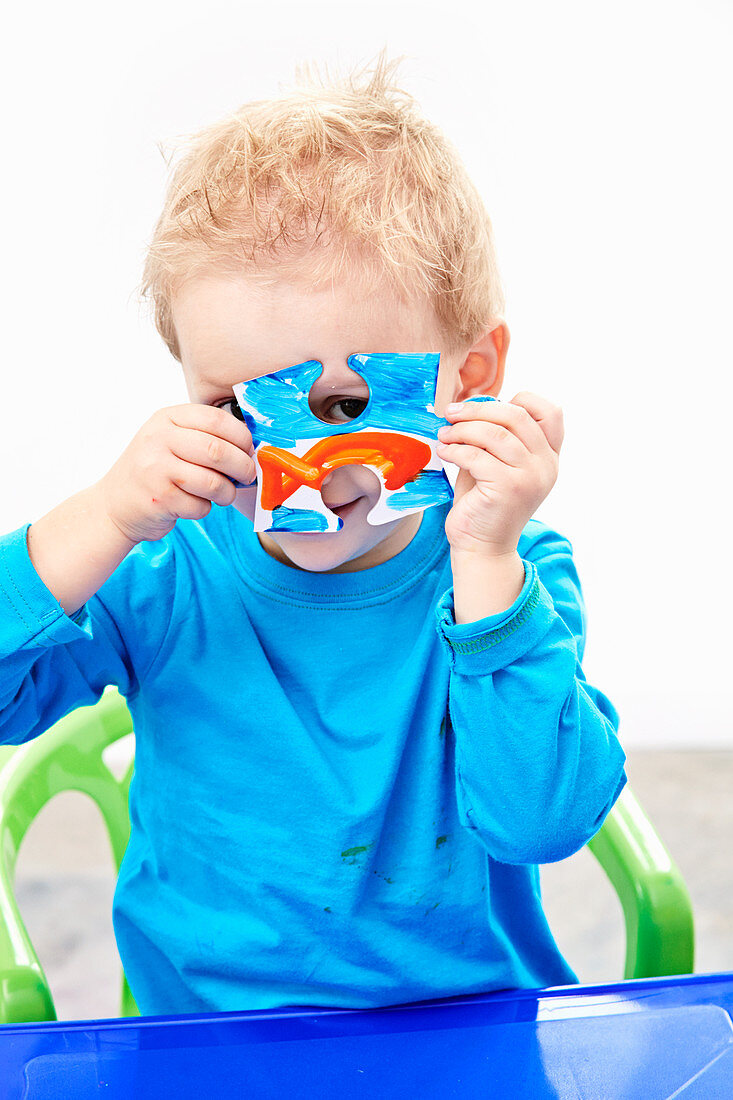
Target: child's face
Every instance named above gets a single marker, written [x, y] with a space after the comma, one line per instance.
[230, 330]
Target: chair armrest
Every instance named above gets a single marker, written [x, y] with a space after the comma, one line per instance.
[654, 898]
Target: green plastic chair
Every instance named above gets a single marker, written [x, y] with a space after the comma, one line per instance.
[654, 898]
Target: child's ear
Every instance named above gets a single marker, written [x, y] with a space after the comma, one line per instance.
[483, 368]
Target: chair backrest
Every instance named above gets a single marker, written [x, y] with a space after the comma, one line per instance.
[69, 756]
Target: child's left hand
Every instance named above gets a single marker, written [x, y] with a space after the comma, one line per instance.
[508, 453]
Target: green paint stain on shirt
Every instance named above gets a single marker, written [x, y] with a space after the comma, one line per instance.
[356, 851]
[442, 729]
[441, 840]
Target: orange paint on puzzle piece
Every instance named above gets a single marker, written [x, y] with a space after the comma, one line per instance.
[399, 458]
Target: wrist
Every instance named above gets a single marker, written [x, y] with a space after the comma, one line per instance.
[485, 584]
[116, 535]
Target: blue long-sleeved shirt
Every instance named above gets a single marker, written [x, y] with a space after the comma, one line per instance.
[340, 796]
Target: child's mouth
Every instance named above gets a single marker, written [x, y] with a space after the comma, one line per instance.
[343, 511]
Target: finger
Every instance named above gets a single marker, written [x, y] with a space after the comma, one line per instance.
[186, 506]
[494, 438]
[481, 465]
[213, 421]
[543, 412]
[211, 451]
[203, 482]
[513, 417]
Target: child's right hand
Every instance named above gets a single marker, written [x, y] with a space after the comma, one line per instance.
[180, 461]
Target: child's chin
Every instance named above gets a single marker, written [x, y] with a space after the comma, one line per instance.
[318, 551]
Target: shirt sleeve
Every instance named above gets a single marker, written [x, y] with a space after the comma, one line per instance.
[50, 662]
[538, 760]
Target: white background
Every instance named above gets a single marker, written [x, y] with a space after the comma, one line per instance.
[600, 138]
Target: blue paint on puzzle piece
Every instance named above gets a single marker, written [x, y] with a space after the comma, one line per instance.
[428, 488]
[401, 398]
[298, 519]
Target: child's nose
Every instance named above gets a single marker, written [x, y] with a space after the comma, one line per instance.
[347, 483]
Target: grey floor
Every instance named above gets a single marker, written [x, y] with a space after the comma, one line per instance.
[65, 883]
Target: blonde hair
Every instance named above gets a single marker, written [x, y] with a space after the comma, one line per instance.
[331, 178]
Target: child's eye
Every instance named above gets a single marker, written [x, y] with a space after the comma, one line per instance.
[232, 406]
[351, 408]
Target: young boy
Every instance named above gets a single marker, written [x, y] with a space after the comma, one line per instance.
[353, 749]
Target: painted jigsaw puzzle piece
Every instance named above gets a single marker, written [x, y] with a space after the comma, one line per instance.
[394, 436]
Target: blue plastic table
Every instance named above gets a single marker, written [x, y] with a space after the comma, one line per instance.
[650, 1039]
